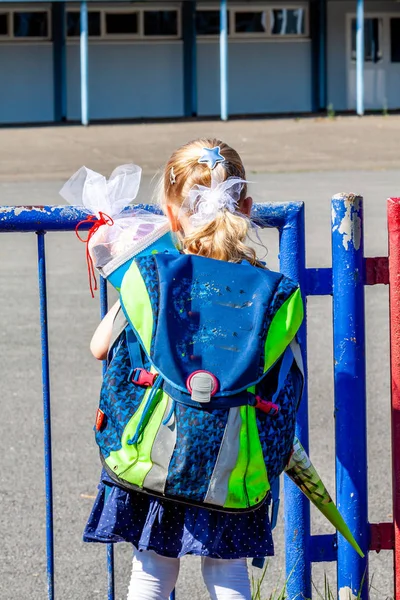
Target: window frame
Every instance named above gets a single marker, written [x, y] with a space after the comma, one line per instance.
[118, 36]
[368, 15]
[7, 37]
[133, 37]
[390, 56]
[211, 8]
[292, 36]
[249, 34]
[267, 7]
[76, 37]
[11, 37]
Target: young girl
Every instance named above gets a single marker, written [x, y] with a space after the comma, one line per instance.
[210, 220]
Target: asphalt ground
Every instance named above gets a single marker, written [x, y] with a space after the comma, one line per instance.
[76, 378]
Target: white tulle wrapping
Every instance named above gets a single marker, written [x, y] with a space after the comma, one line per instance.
[204, 203]
[112, 197]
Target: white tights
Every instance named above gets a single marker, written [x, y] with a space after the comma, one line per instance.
[154, 577]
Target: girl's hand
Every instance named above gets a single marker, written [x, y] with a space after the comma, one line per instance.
[102, 336]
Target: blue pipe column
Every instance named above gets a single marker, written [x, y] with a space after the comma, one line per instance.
[48, 468]
[360, 48]
[297, 508]
[59, 61]
[110, 547]
[350, 390]
[223, 59]
[84, 53]
[189, 57]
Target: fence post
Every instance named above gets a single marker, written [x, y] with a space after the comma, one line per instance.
[297, 507]
[393, 211]
[350, 390]
[48, 468]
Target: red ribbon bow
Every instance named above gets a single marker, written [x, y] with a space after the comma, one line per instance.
[97, 222]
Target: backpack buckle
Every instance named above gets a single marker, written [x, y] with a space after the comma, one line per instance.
[142, 377]
[267, 407]
[202, 385]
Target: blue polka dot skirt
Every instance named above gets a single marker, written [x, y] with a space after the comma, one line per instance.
[173, 529]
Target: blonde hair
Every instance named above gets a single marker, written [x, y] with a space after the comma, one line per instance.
[224, 237]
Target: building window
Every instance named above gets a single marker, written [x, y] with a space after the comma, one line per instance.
[208, 22]
[74, 24]
[288, 21]
[122, 23]
[395, 39]
[372, 39]
[4, 29]
[161, 23]
[29, 24]
[251, 22]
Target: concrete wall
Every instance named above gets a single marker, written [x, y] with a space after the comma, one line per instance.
[26, 83]
[264, 77]
[382, 80]
[128, 80]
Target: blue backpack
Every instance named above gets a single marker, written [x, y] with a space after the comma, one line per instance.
[198, 404]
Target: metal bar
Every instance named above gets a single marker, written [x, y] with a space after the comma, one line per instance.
[377, 271]
[350, 389]
[323, 548]
[66, 217]
[381, 537]
[393, 210]
[59, 61]
[189, 57]
[223, 59]
[84, 57]
[45, 218]
[360, 49]
[318, 282]
[297, 508]
[46, 414]
[110, 547]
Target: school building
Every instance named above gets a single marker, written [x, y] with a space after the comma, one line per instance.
[85, 61]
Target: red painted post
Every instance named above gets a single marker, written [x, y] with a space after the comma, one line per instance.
[393, 212]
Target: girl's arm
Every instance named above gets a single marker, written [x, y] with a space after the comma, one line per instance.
[102, 336]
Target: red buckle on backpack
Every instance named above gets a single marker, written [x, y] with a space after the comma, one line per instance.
[99, 419]
[142, 377]
[267, 407]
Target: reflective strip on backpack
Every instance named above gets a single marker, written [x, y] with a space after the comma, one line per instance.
[283, 328]
[133, 461]
[256, 478]
[161, 453]
[248, 482]
[227, 458]
[135, 301]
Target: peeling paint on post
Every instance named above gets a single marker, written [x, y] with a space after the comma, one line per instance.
[350, 389]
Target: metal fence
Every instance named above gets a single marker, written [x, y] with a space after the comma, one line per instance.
[345, 281]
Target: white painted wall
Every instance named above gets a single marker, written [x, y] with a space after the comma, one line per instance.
[264, 77]
[26, 83]
[128, 80]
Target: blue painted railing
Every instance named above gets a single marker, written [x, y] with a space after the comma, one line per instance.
[345, 281]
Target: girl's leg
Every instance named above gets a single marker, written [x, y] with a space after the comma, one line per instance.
[226, 579]
[153, 576]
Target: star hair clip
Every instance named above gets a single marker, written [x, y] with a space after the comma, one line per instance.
[211, 157]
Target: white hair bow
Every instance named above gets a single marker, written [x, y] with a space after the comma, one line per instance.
[204, 203]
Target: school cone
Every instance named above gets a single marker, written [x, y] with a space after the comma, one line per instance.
[303, 473]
